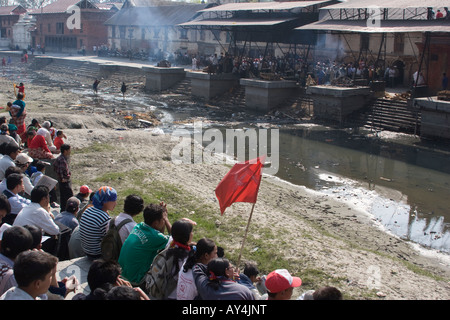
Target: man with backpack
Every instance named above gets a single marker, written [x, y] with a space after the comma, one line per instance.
[120, 227]
[144, 242]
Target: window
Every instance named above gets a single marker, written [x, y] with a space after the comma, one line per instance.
[49, 28]
[399, 43]
[60, 28]
[143, 34]
[122, 32]
[113, 32]
[365, 41]
[81, 28]
[183, 34]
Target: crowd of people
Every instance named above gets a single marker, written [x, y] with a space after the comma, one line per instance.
[155, 259]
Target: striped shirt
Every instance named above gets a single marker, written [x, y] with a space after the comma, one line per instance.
[93, 224]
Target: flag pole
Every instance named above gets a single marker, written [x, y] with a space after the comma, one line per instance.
[245, 235]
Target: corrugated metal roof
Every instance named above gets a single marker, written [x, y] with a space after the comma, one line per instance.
[235, 22]
[155, 16]
[388, 26]
[401, 4]
[245, 6]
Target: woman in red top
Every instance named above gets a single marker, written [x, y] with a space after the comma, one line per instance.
[38, 148]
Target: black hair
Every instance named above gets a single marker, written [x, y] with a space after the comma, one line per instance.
[13, 180]
[16, 240]
[219, 267]
[12, 169]
[38, 193]
[327, 293]
[102, 272]
[181, 231]
[10, 148]
[36, 233]
[123, 293]
[202, 247]
[33, 265]
[250, 269]
[40, 165]
[4, 204]
[20, 96]
[64, 147]
[133, 204]
[153, 212]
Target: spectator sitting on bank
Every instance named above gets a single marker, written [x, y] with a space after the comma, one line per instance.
[69, 216]
[85, 196]
[10, 152]
[205, 251]
[45, 132]
[280, 284]
[5, 136]
[132, 206]
[324, 293]
[59, 140]
[14, 186]
[38, 147]
[33, 271]
[14, 241]
[179, 248]
[5, 209]
[249, 277]
[37, 212]
[126, 293]
[23, 161]
[13, 133]
[94, 221]
[215, 282]
[144, 242]
[102, 277]
[10, 170]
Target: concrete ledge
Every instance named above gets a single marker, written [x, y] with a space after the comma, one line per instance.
[435, 117]
[432, 103]
[263, 95]
[338, 91]
[335, 103]
[159, 78]
[207, 86]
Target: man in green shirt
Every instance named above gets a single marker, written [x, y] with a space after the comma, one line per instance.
[144, 242]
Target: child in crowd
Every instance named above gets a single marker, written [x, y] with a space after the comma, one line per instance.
[59, 140]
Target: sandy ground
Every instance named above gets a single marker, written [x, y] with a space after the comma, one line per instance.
[311, 229]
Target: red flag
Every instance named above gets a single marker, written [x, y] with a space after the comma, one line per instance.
[240, 184]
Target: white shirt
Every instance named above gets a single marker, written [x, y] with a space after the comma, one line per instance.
[17, 202]
[126, 229]
[34, 214]
[16, 293]
[186, 288]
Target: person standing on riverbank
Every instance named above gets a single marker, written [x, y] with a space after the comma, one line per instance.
[95, 85]
[123, 89]
[61, 166]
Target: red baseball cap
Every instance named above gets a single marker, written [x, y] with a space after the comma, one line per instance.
[85, 189]
[280, 280]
